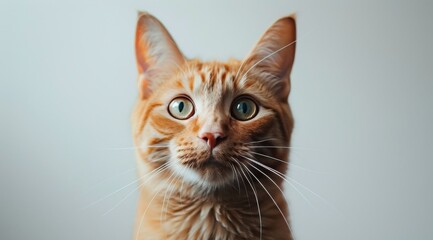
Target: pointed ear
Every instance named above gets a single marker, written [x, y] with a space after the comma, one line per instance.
[158, 56]
[272, 58]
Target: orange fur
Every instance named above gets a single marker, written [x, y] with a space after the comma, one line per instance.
[189, 190]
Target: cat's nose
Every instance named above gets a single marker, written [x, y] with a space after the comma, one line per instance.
[212, 138]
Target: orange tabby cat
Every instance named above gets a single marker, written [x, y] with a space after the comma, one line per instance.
[212, 138]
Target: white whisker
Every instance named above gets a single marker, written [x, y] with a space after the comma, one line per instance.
[144, 213]
[273, 200]
[243, 182]
[269, 139]
[135, 189]
[268, 178]
[287, 162]
[239, 69]
[120, 189]
[165, 195]
[157, 159]
[267, 56]
[299, 148]
[235, 175]
[140, 147]
[257, 199]
[312, 192]
[111, 177]
[279, 174]
[179, 177]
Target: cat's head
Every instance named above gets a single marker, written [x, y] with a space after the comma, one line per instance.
[211, 122]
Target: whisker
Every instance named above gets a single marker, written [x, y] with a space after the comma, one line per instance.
[179, 177]
[292, 164]
[299, 148]
[243, 182]
[127, 185]
[273, 200]
[165, 195]
[135, 189]
[157, 159]
[312, 192]
[239, 70]
[257, 199]
[269, 179]
[140, 147]
[235, 175]
[269, 139]
[279, 174]
[111, 177]
[145, 211]
[291, 184]
[266, 57]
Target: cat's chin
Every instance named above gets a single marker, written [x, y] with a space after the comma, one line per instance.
[214, 172]
[210, 173]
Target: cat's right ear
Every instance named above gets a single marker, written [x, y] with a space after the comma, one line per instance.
[272, 58]
[158, 56]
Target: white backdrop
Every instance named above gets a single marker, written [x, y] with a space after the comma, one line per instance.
[361, 97]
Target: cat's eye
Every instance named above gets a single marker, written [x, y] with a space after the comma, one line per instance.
[244, 108]
[181, 108]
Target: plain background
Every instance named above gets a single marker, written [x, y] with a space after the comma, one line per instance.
[361, 97]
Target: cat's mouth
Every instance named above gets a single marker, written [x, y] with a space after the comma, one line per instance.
[212, 169]
[211, 162]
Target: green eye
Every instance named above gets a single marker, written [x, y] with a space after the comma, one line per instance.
[181, 108]
[244, 109]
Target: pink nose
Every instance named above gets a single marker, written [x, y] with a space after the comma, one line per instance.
[212, 139]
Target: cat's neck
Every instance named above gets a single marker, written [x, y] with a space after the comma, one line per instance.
[237, 210]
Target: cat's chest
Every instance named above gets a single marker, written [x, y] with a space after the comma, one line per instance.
[208, 220]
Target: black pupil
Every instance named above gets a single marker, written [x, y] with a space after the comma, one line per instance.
[181, 106]
[244, 108]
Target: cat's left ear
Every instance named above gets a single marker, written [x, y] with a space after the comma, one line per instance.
[272, 58]
[158, 56]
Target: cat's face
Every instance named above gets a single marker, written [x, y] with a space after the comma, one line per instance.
[207, 122]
